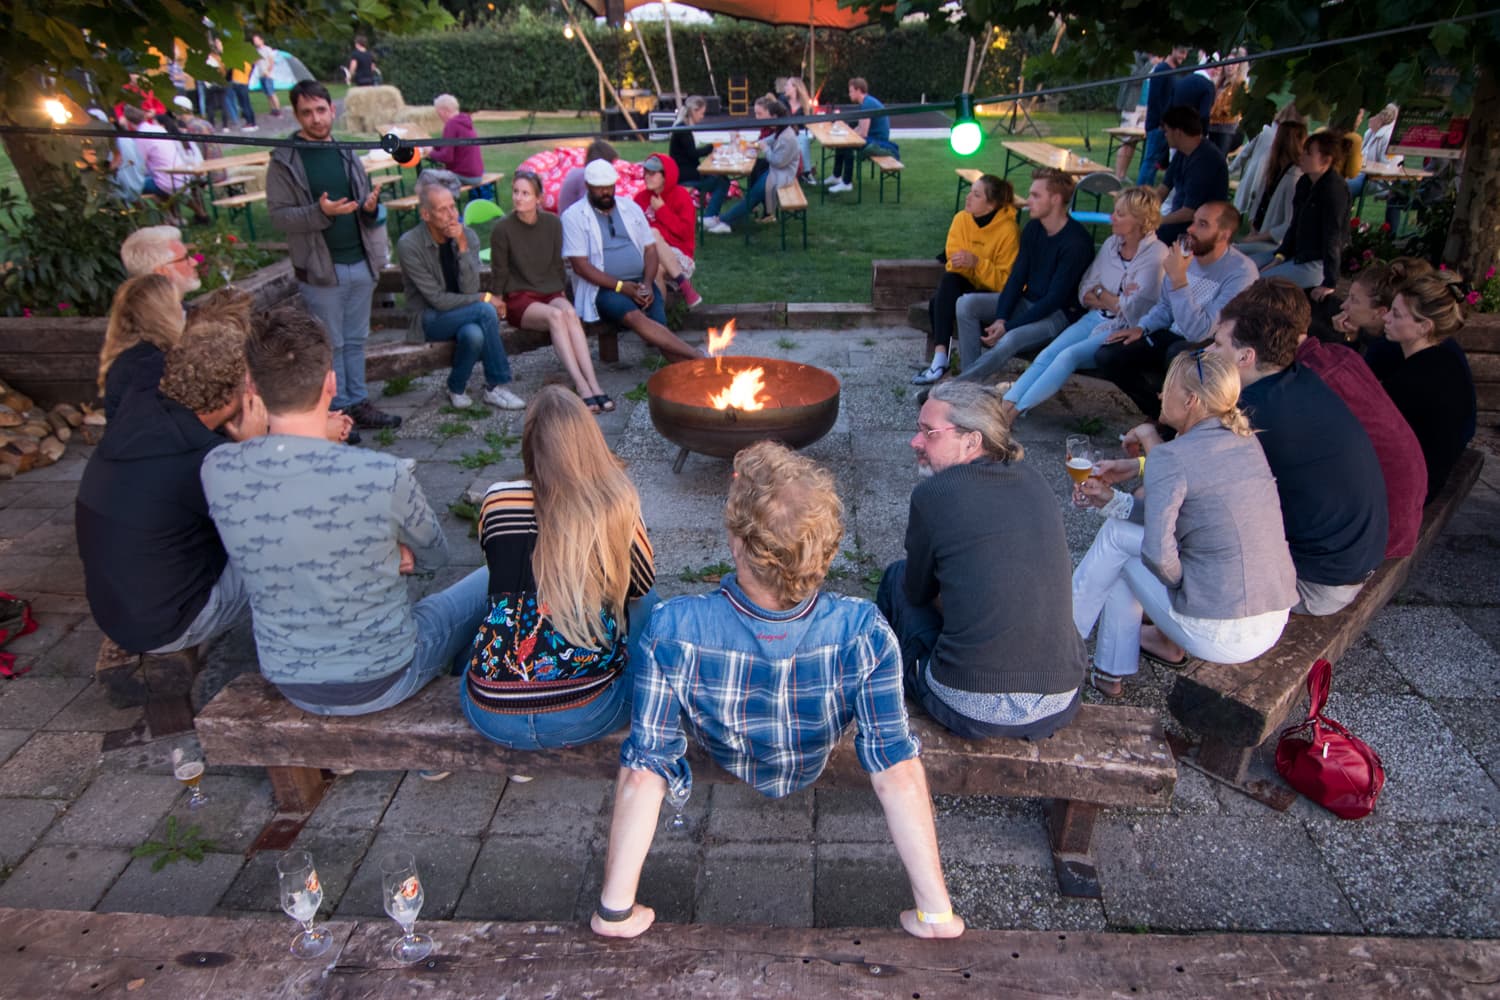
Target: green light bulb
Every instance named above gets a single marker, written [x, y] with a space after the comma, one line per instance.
[965, 138]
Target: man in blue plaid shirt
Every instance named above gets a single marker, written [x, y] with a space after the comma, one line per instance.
[767, 673]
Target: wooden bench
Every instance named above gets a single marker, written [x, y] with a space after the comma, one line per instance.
[243, 205]
[1236, 707]
[73, 953]
[888, 166]
[791, 202]
[161, 683]
[966, 178]
[1108, 756]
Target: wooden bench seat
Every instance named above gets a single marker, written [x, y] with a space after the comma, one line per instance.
[240, 200]
[162, 683]
[71, 953]
[1236, 707]
[1109, 756]
[888, 166]
[791, 203]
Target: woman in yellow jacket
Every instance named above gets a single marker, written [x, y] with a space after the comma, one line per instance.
[981, 247]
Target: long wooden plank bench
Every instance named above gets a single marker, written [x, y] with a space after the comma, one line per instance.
[888, 166]
[1108, 756]
[1237, 707]
[791, 203]
[68, 953]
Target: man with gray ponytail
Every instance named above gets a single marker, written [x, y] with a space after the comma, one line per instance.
[982, 603]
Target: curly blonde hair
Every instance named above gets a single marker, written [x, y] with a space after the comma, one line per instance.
[206, 370]
[1143, 205]
[788, 518]
[146, 309]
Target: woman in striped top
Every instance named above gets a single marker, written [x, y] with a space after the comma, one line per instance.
[567, 552]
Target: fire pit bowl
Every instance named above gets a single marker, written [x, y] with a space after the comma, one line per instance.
[801, 404]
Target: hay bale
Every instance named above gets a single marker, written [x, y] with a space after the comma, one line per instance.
[367, 108]
[423, 118]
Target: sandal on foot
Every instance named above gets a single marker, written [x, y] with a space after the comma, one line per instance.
[1161, 661]
[1109, 685]
[592, 402]
[605, 403]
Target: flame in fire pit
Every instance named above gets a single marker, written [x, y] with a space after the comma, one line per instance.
[742, 392]
[718, 342]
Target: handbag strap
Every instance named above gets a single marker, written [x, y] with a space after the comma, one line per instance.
[1319, 681]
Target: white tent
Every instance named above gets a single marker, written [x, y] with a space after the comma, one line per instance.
[680, 13]
[287, 72]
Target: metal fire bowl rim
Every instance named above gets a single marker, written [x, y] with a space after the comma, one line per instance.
[774, 367]
[701, 428]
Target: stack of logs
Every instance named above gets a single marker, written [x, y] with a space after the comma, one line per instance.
[31, 437]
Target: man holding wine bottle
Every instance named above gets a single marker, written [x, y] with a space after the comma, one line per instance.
[982, 604]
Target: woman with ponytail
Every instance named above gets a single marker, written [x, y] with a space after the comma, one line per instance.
[1313, 247]
[568, 558]
[1200, 548]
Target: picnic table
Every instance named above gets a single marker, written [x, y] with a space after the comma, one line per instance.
[836, 136]
[1044, 154]
[1122, 135]
[1396, 175]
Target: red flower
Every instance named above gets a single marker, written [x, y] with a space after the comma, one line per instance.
[64, 306]
[1353, 223]
[1368, 254]
[1489, 274]
[233, 238]
[1385, 227]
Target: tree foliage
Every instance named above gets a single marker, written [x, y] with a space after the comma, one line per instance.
[68, 43]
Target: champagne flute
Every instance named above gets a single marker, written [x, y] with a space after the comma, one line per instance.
[403, 898]
[677, 800]
[1079, 459]
[188, 769]
[301, 895]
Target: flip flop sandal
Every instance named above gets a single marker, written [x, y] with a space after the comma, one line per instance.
[1109, 685]
[1162, 661]
[605, 403]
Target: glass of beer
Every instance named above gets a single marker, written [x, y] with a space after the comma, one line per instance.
[1079, 461]
[188, 768]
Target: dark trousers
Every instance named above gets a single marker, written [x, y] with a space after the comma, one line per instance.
[942, 308]
[1138, 369]
[917, 630]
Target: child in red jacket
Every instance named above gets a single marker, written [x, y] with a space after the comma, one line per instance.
[669, 209]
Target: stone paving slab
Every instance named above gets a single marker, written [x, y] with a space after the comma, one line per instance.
[74, 654]
[443, 862]
[335, 853]
[22, 822]
[91, 712]
[35, 700]
[461, 805]
[670, 879]
[535, 878]
[758, 883]
[1017, 896]
[184, 888]
[1437, 652]
[238, 808]
[738, 812]
[1473, 722]
[356, 801]
[859, 885]
[63, 878]
[117, 810]
[51, 766]
[11, 740]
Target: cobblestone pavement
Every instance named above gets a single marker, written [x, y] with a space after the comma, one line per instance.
[1422, 687]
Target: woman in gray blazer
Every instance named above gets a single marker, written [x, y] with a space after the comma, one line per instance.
[1200, 548]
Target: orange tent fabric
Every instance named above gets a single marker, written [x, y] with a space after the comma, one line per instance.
[820, 13]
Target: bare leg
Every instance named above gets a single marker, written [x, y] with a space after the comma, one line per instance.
[1123, 156]
[558, 318]
[659, 336]
[1154, 641]
[666, 257]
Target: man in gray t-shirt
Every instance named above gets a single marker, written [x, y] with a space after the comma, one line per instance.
[322, 533]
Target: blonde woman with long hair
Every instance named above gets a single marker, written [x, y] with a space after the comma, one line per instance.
[145, 321]
[570, 578]
[1206, 557]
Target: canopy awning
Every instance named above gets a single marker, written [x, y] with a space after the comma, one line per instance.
[819, 13]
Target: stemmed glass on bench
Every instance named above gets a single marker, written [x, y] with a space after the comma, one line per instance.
[403, 897]
[301, 895]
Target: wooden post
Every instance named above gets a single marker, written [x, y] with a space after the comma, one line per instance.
[599, 68]
[296, 789]
[969, 69]
[647, 53]
[666, 23]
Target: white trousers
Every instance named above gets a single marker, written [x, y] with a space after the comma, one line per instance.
[1113, 587]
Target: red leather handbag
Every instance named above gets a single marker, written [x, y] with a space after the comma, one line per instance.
[1324, 761]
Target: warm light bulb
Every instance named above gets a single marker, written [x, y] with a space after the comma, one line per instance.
[568, 32]
[965, 138]
[55, 110]
[629, 26]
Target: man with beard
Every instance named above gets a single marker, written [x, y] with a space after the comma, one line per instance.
[1194, 289]
[613, 253]
[323, 200]
[983, 602]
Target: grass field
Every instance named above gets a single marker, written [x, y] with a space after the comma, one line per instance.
[843, 237]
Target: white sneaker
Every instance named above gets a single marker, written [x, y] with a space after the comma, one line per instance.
[840, 188]
[504, 398]
[459, 400]
[831, 180]
[250, 128]
[715, 226]
[932, 374]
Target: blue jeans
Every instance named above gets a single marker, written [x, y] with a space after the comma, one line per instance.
[1308, 274]
[741, 208]
[242, 98]
[446, 625]
[574, 726]
[716, 188]
[843, 160]
[344, 311]
[615, 306]
[1069, 351]
[1156, 146]
[475, 332]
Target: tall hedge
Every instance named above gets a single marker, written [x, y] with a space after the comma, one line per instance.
[532, 66]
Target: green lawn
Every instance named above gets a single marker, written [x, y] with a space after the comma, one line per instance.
[843, 237]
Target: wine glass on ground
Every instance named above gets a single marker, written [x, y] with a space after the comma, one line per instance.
[678, 800]
[187, 767]
[226, 271]
[1079, 459]
[403, 897]
[301, 895]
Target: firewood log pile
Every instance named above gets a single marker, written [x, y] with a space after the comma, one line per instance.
[31, 437]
